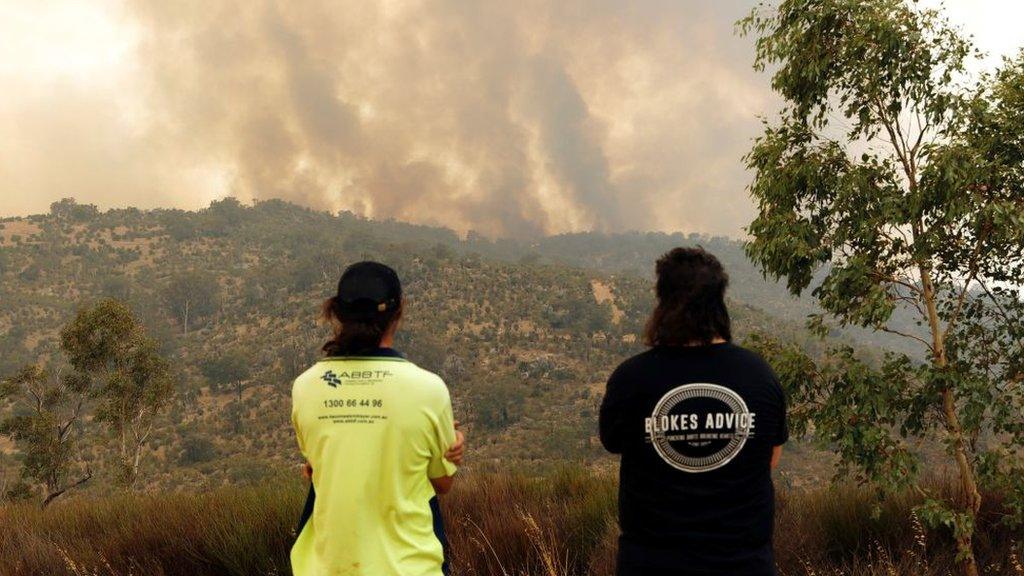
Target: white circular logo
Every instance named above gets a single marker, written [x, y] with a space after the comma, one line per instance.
[699, 427]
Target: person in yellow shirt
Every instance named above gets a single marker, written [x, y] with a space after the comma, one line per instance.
[379, 440]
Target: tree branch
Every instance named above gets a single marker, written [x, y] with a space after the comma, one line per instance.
[53, 496]
[896, 140]
[907, 335]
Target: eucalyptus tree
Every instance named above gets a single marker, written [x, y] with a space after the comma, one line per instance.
[46, 409]
[903, 183]
[132, 382]
[192, 296]
[228, 368]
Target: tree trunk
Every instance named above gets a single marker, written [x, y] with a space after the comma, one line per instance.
[126, 473]
[954, 430]
[136, 461]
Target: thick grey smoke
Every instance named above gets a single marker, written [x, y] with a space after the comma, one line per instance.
[509, 118]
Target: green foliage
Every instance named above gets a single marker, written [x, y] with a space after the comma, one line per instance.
[192, 297]
[68, 209]
[117, 288]
[31, 273]
[46, 406]
[228, 368]
[906, 186]
[500, 405]
[223, 216]
[133, 382]
[179, 225]
[579, 312]
[15, 354]
[99, 337]
[196, 449]
[853, 408]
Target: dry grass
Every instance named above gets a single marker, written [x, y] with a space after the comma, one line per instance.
[559, 524]
[245, 531]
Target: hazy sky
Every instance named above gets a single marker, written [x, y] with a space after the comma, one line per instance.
[511, 118]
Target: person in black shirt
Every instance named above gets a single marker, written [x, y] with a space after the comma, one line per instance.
[700, 423]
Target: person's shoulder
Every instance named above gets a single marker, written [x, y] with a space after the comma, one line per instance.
[426, 381]
[753, 363]
[634, 363]
[747, 356]
[312, 374]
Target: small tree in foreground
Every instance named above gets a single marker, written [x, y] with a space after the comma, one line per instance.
[909, 189]
[133, 383]
[46, 407]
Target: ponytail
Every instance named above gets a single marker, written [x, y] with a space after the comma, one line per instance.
[354, 337]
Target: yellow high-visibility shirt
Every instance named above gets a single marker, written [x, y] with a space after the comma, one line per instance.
[375, 430]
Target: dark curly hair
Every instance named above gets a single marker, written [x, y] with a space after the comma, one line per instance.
[691, 300]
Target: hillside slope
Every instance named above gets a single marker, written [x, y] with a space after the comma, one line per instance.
[524, 334]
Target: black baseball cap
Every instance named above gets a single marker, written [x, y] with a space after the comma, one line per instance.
[368, 290]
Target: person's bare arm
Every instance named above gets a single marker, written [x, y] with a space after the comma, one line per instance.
[443, 485]
[776, 456]
[454, 454]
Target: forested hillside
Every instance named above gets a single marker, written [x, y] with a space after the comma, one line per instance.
[524, 333]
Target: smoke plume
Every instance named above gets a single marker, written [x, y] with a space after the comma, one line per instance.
[508, 118]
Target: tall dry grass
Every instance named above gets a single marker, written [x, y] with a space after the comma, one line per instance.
[225, 532]
[559, 524]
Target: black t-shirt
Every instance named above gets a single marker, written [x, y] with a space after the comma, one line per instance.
[696, 427]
